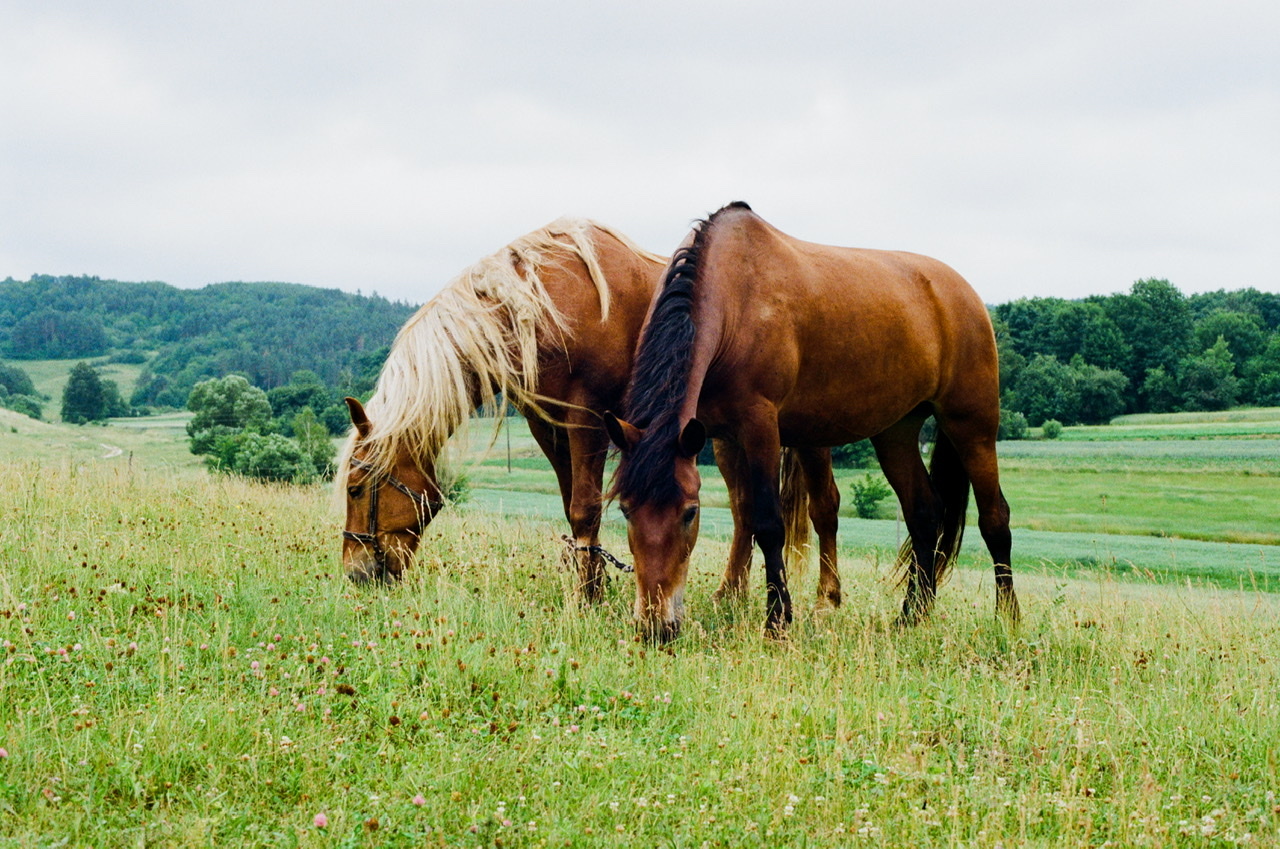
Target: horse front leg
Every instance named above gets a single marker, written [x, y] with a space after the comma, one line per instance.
[588, 446]
[579, 479]
[762, 449]
[737, 478]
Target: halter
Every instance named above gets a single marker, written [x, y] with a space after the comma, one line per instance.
[424, 506]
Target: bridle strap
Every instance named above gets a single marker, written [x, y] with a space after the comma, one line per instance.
[425, 507]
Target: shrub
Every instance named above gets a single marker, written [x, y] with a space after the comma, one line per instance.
[867, 495]
[1013, 425]
[1051, 429]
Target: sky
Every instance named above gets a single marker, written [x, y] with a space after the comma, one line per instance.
[1042, 149]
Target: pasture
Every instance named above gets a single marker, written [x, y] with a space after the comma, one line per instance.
[183, 663]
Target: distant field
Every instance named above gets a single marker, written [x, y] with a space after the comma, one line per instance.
[158, 442]
[1169, 509]
[1260, 421]
[1172, 509]
[50, 378]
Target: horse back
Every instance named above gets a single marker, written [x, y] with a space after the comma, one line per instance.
[832, 334]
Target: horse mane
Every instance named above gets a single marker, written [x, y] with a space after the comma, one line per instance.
[659, 381]
[476, 339]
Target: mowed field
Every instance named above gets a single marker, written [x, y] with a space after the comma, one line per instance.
[184, 664]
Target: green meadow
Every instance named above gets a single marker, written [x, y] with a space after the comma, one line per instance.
[182, 663]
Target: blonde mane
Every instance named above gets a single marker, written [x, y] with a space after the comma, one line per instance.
[475, 339]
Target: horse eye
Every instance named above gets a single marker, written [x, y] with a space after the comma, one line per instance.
[626, 514]
[354, 491]
[690, 514]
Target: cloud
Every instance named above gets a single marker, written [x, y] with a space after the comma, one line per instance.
[1041, 149]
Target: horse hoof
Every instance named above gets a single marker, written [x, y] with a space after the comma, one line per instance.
[829, 600]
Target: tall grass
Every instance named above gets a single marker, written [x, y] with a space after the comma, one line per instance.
[183, 664]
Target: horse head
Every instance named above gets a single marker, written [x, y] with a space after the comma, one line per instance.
[662, 521]
[389, 504]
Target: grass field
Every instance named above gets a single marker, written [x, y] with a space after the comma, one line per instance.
[184, 664]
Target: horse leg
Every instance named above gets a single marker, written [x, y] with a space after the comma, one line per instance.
[733, 468]
[899, 453]
[824, 509]
[579, 490]
[762, 449]
[588, 446]
[977, 449]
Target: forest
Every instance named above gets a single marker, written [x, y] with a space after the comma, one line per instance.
[1150, 349]
[264, 331]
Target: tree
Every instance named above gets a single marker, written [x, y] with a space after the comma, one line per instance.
[313, 440]
[1046, 388]
[1100, 393]
[854, 455]
[52, 334]
[1208, 381]
[84, 398]
[1243, 333]
[1156, 322]
[1160, 391]
[15, 380]
[230, 402]
[1261, 382]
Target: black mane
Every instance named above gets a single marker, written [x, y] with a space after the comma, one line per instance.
[660, 376]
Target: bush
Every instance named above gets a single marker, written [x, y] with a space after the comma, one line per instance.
[1051, 429]
[1013, 425]
[272, 458]
[867, 495]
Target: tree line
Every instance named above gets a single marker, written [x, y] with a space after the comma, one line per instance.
[265, 331]
[1149, 350]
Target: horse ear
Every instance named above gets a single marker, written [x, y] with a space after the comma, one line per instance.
[623, 435]
[692, 438]
[358, 417]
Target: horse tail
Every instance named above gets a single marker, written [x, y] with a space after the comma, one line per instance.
[794, 494]
[951, 489]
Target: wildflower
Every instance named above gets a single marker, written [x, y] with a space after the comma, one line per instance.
[4, 753]
[419, 800]
[321, 821]
[254, 665]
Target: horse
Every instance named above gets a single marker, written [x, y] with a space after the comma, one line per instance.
[548, 323]
[761, 340]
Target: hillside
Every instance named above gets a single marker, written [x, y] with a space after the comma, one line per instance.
[266, 331]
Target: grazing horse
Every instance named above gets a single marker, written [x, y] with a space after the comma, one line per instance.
[762, 341]
[550, 323]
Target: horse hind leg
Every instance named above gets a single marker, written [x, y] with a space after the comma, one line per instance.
[824, 510]
[737, 571]
[978, 455]
[899, 454]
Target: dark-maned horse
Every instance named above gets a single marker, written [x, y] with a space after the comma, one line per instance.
[764, 341]
[550, 323]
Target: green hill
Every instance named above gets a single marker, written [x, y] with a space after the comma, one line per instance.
[266, 331]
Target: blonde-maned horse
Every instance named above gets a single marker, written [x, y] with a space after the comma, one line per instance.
[550, 322]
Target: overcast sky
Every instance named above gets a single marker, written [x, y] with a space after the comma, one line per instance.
[1040, 148]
